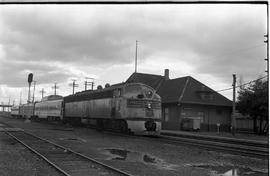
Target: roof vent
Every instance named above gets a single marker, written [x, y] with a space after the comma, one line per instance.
[99, 87]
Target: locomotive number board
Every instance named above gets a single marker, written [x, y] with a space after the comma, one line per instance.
[143, 104]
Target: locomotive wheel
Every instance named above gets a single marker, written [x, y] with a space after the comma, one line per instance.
[100, 125]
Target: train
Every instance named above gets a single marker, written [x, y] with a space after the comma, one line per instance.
[126, 107]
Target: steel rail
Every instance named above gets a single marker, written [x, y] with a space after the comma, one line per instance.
[244, 149]
[39, 154]
[220, 139]
[81, 155]
[236, 148]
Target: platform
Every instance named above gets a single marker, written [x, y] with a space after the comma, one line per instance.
[223, 136]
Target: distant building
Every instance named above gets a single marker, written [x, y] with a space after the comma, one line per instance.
[188, 104]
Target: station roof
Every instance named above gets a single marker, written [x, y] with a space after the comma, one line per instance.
[181, 90]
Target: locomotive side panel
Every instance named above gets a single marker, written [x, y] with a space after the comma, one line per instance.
[99, 108]
[72, 109]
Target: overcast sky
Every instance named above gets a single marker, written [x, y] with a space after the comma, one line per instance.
[60, 42]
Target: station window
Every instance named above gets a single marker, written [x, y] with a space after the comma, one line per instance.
[219, 111]
[166, 114]
[187, 108]
[200, 113]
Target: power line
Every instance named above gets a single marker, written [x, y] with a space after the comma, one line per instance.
[242, 84]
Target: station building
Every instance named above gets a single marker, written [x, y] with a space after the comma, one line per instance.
[188, 104]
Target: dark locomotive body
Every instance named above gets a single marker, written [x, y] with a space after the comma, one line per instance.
[131, 107]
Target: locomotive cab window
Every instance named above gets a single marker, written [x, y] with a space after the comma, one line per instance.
[135, 91]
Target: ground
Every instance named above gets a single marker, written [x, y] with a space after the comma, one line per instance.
[16, 160]
[140, 156]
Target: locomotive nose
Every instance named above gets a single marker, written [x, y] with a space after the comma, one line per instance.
[150, 125]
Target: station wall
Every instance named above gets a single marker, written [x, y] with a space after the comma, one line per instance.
[176, 116]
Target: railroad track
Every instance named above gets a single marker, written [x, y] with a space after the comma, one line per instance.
[237, 146]
[64, 160]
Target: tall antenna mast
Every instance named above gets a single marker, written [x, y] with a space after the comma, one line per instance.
[21, 97]
[136, 56]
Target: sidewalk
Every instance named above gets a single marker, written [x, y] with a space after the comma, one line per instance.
[224, 135]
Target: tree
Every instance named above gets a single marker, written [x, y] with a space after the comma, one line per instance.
[253, 101]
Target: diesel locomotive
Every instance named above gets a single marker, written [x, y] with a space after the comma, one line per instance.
[132, 107]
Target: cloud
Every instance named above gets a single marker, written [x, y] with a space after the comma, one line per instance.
[60, 42]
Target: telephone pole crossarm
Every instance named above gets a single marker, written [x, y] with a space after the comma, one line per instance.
[86, 83]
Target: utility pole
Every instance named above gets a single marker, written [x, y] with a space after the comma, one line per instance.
[136, 56]
[55, 87]
[8, 104]
[29, 92]
[86, 83]
[92, 84]
[267, 55]
[267, 45]
[20, 97]
[34, 91]
[267, 50]
[233, 121]
[42, 93]
[73, 85]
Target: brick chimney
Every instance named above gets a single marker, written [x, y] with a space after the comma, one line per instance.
[166, 74]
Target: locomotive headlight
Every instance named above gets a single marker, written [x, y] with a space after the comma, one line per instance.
[149, 105]
[149, 94]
